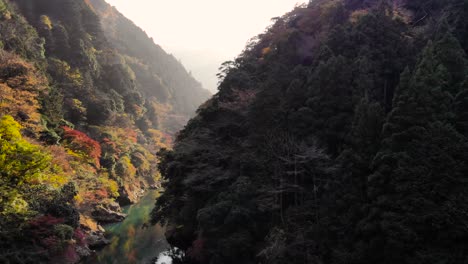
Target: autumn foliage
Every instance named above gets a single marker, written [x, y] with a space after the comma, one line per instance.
[75, 118]
[20, 85]
[80, 142]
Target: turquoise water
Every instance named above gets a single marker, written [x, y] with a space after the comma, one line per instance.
[130, 242]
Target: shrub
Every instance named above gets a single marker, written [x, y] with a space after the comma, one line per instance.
[64, 232]
[81, 143]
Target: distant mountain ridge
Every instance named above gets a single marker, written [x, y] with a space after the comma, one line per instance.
[129, 39]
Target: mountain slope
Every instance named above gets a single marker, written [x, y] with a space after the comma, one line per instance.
[150, 61]
[337, 136]
[82, 114]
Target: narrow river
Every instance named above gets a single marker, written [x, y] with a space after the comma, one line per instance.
[131, 242]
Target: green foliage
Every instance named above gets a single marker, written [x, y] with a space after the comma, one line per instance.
[125, 168]
[52, 107]
[21, 162]
[64, 232]
[421, 149]
[338, 136]
[77, 78]
[19, 37]
[3, 8]
[111, 186]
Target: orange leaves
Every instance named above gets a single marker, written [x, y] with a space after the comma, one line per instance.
[265, 51]
[80, 142]
[160, 139]
[95, 196]
[118, 140]
[61, 158]
[102, 193]
[131, 135]
[20, 86]
[15, 72]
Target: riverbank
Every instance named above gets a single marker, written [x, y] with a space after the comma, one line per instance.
[133, 240]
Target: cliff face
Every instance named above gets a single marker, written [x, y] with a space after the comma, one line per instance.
[337, 136]
[86, 101]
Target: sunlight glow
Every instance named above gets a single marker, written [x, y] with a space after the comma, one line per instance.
[203, 33]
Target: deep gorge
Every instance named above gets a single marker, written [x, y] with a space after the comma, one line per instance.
[339, 135]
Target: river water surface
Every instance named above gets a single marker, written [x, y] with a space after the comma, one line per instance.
[132, 241]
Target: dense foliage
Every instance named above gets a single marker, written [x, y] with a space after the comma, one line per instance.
[84, 107]
[338, 136]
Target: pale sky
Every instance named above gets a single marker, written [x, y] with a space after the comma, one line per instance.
[203, 33]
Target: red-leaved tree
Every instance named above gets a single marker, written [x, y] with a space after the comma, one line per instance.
[79, 141]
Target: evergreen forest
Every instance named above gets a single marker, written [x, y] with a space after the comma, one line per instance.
[338, 136]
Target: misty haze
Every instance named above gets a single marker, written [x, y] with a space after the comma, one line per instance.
[234, 132]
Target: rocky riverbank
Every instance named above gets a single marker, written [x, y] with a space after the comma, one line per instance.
[93, 217]
[132, 240]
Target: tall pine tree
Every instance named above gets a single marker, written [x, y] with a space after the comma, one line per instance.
[419, 171]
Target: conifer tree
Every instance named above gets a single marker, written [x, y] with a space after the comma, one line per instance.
[418, 172]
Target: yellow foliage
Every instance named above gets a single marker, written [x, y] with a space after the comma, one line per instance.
[19, 159]
[77, 155]
[159, 139]
[16, 206]
[7, 15]
[9, 129]
[143, 160]
[156, 135]
[78, 105]
[78, 199]
[125, 168]
[122, 140]
[45, 20]
[157, 177]
[65, 72]
[23, 166]
[55, 180]
[111, 186]
[88, 222]
[75, 77]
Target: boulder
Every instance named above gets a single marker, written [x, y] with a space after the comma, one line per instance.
[97, 240]
[105, 215]
[83, 251]
[114, 206]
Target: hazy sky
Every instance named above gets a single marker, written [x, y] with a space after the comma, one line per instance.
[203, 33]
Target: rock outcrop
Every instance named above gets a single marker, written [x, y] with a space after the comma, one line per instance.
[106, 215]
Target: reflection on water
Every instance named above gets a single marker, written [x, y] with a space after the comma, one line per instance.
[131, 241]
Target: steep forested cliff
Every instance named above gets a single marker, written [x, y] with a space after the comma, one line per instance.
[86, 101]
[338, 136]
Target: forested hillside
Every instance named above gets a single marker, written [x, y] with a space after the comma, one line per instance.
[150, 63]
[340, 135]
[83, 110]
